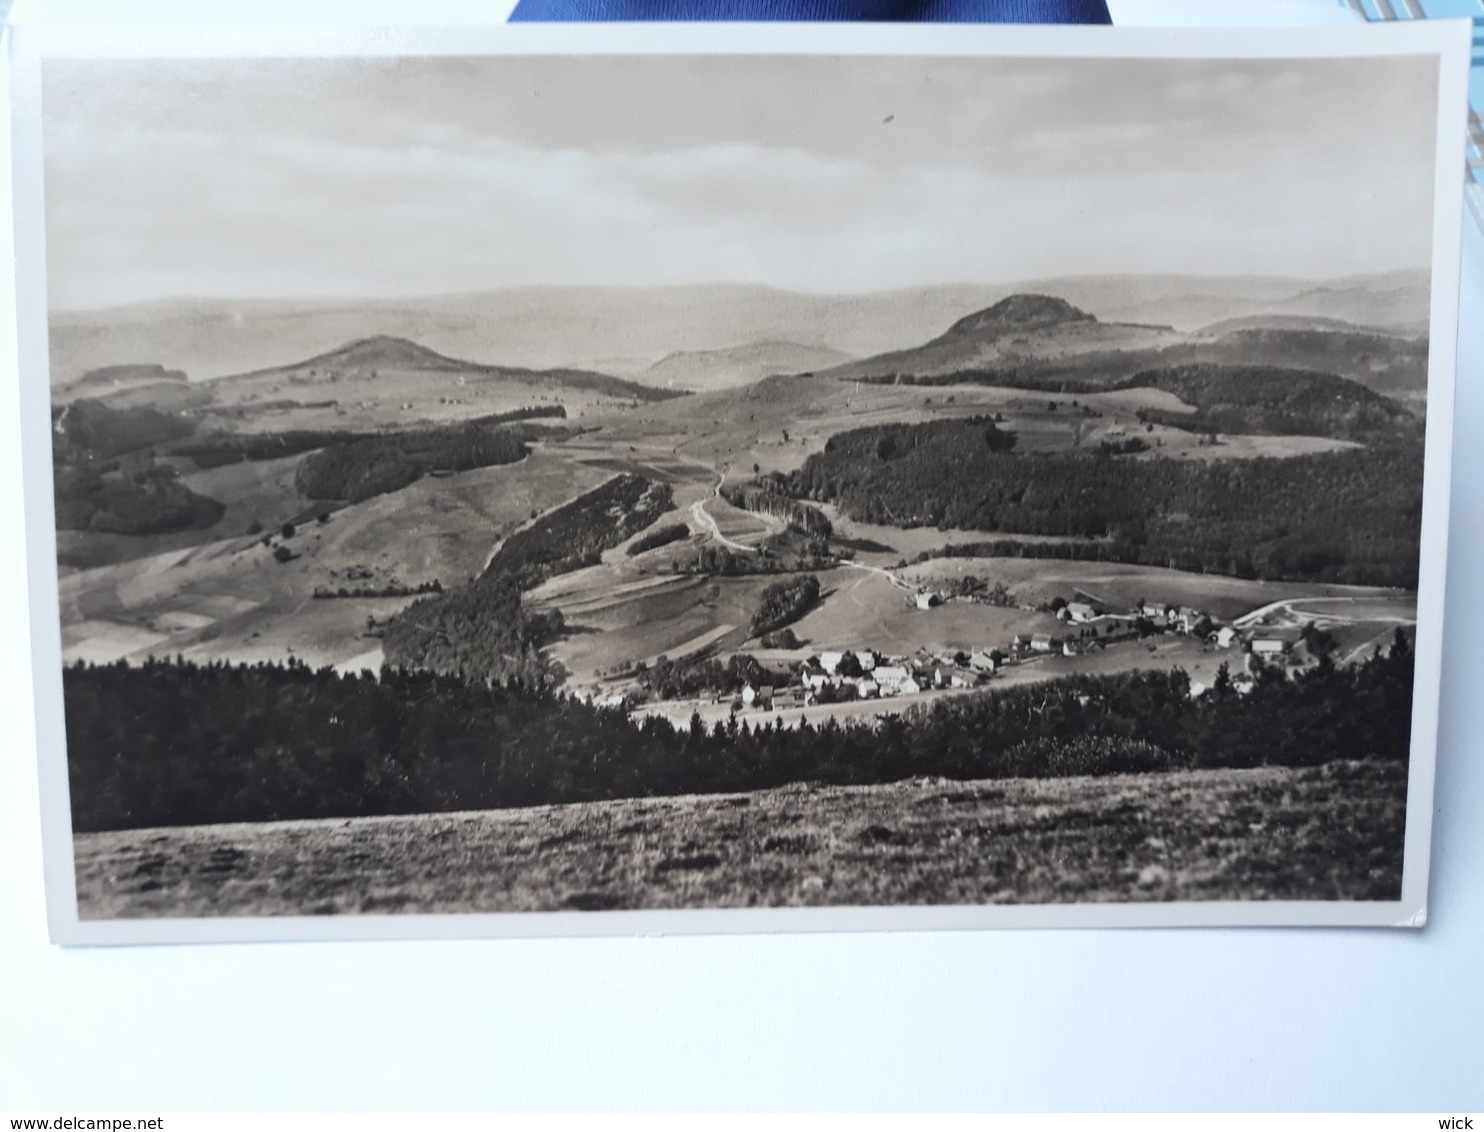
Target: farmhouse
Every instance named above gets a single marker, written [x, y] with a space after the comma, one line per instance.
[983, 663]
[1080, 611]
[1274, 642]
[1041, 642]
[760, 696]
[866, 658]
[830, 661]
[865, 689]
[892, 677]
[926, 599]
[1224, 637]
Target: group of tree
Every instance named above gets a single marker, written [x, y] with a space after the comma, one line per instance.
[1348, 516]
[391, 589]
[359, 469]
[164, 743]
[767, 497]
[789, 553]
[575, 534]
[660, 536]
[977, 589]
[681, 679]
[783, 603]
[480, 631]
[106, 478]
[1270, 401]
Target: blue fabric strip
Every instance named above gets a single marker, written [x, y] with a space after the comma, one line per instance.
[866, 11]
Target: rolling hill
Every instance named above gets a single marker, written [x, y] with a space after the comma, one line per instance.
[738, 365]
[1045, 342]
[626, 330]
[382, 354]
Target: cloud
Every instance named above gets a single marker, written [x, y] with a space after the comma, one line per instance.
[383, 185]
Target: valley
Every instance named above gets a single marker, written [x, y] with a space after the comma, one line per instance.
[281, 573]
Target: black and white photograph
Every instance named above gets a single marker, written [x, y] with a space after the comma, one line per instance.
[494, 482]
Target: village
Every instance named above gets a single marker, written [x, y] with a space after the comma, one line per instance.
[1270, 636]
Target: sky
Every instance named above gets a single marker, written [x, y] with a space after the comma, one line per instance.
[371, 179]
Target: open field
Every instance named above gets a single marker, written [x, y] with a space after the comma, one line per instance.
[681, 615]
[1327, 833]
[1120, 585]
[864, 610]
[443, 529]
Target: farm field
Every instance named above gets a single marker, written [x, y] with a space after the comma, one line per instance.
[1035, 580]
[257, 608]
[1327, 833]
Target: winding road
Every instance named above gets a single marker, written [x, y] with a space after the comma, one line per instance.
[702, 518]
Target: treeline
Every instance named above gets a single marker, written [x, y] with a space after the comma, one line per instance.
[1352, 516]
[767, 498]
[788, 555]
[216, 449]
[660, 536]
[105, 477]
[113, 505]
[392, 589]
[680, 679]
[360, 469]
[88, 432]
[479, 631]
[575, 534]
[1268, 401]
[783, 603]
[530, 413]
[1296, 364]
[176, 744]
[1235, 399]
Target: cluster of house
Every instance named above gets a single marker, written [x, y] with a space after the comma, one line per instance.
[867, 674]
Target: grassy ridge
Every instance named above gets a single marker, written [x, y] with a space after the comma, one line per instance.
[1325, 833]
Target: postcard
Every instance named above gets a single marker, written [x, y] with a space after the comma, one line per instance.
[574, 480]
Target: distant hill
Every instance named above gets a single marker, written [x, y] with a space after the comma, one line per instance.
[1286, 322]
[384, 355]
[1015, 315]
[1017, 335]
[738, 365]
[1045, 342]
[120, 378]
[385, 352]
[628, 329]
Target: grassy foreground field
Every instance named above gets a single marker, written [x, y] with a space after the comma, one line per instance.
[1333, 832]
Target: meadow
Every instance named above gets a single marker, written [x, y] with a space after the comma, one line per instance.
[1332, 832]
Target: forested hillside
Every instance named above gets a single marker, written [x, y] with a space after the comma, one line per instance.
[1351, 516]
[478, 630]
[1268, 401]
[576, 534]
[175, 744]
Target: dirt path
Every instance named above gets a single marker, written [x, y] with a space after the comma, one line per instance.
[880, 571]
[707, 524]
[1247, 620]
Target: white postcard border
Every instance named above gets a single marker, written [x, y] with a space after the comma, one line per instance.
[1448, 40]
